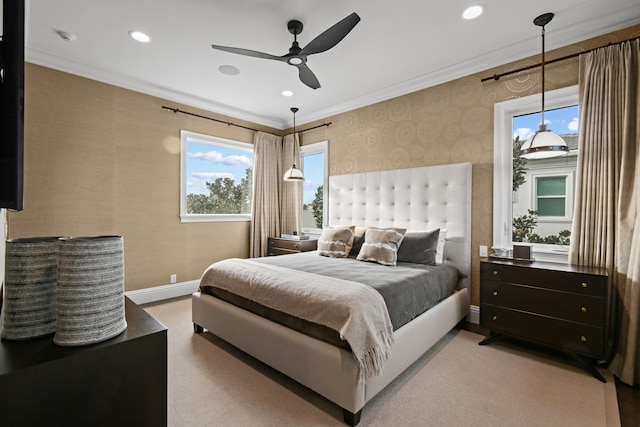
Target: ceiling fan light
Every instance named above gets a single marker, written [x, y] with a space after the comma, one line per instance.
[295, 60]
[544, 144]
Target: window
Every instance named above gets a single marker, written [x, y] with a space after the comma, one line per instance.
[315, 168]
[216, 178]
[533, 200]
[551, 196]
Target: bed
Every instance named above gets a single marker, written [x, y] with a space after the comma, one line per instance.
[414, 199]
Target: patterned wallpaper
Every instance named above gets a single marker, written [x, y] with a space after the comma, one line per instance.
[448, 123]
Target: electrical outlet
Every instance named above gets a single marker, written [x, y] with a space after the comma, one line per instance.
[484, 251]
[173, 278]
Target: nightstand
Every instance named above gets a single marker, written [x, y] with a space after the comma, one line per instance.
[278, 246]
[562, 306]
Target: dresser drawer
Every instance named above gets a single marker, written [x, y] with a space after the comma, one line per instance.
[564, 305]
[288, 246]
[292, 245]
[579, 283]
[578, 337]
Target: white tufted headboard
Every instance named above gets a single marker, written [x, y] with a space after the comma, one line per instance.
[417, 199]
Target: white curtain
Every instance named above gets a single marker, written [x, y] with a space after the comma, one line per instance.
[291, 194]
[267, 185]
[606, 225]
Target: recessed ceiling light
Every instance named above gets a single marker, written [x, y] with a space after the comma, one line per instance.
[473, 11]
[139, 36]
[229, 70]
[287, 93]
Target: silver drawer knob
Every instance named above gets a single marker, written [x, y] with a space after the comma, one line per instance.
[494, 318]
[583, 338]
[495, 293]
[583, 309]
[584, 284]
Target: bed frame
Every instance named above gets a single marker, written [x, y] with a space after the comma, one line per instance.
[422, 198]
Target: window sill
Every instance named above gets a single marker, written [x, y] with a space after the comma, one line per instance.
[215, 218]
[547, 253]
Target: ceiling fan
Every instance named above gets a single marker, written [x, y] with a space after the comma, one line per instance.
[297, 56]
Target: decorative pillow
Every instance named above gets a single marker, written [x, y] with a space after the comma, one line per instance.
[335, 242]
[419, 247]
[440, 248]
[381, 245]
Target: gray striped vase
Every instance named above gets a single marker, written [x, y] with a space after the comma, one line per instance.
[90, 299]
[29, 307]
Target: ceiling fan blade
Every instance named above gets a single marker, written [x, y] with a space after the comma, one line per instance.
[247, 52]
[307, 77]
[331, 36]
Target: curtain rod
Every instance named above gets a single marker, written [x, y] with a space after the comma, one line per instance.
[177, 110]
[573, 55]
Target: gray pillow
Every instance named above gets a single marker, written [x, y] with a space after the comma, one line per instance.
[358, 240]
[419, 247]
[381, 245]
[335, 242]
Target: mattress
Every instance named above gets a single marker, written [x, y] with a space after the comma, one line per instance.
[408, 289]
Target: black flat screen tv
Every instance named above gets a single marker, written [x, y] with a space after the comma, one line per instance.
[12, 103]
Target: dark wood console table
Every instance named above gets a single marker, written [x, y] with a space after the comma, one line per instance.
[566, 307]
[121, 381]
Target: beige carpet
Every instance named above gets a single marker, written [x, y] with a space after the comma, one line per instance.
[457, 383]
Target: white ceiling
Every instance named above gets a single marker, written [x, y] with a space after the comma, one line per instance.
[398, 47]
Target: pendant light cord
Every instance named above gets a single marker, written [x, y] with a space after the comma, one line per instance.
[543, 124]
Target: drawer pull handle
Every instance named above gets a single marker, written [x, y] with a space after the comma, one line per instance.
[495, 272]
[495, 293]
[583, 338]
[583, 309]
[584, 284]
[494, 318]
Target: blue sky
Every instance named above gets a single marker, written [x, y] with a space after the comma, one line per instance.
[561, 121]
[205, 163]
[313, 176]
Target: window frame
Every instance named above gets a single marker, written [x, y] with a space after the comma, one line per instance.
[321, 147]
[186, 136]
[504, 112]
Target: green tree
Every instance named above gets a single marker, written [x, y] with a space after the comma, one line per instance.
[316, 205]
[523, 226]
[225, 197]
[519, 164]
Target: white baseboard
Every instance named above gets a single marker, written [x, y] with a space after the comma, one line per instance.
[474, 315]
[159, 293]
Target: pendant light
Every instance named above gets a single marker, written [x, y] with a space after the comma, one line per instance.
[544, 143]
[294, 174]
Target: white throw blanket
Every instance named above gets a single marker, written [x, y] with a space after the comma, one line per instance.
[356, 311]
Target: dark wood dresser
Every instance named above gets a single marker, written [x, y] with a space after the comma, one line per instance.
[278, 246]
[563, 306]
[118, 382]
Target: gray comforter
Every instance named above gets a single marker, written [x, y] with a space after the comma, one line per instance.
[408, 289]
